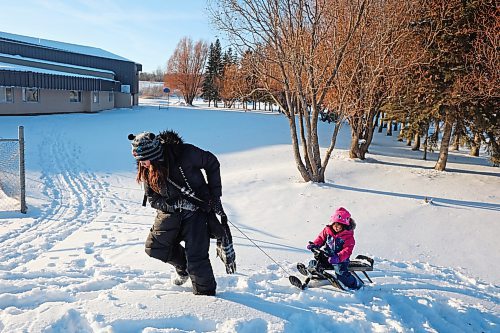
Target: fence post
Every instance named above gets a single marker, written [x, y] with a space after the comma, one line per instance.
[22, 173]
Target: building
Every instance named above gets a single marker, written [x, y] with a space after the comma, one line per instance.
[39, 76]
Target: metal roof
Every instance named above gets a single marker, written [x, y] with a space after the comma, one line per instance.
[4, 55]
[74, 48]
[20, 68]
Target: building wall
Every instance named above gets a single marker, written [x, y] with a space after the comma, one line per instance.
[123, 100]
[126, 72]
[58, 101]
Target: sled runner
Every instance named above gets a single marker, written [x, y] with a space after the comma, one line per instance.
[315, 271]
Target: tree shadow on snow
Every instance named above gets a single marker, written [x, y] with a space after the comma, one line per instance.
[416, 166]
[435, 200]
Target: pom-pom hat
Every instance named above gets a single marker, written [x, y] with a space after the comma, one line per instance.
[146, 146]
[341, 215]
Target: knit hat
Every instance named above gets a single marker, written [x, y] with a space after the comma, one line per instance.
[341, 215]
[146, 146]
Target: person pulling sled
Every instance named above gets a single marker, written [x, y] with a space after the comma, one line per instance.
[186, 205]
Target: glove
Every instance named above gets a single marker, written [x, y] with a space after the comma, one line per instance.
[216, 205]
[225, 252]
[223, 219]
[334, 259]
[311, 246]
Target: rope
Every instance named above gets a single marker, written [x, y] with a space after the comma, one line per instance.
[259, 248]
[190, 193]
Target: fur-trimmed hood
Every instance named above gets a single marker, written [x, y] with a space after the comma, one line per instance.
[351, 226]
[170, 137]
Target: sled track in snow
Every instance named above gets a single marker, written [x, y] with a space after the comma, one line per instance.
[419, 296]
[74, 200]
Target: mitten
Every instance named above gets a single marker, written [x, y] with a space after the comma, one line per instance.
[334, 259]
[311, 246]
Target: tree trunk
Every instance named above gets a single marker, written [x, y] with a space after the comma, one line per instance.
[426, 140]
[389, 128]
[495, 148]
[381, 126]
[354, 150]
[296, 151]
[445, 144]
[476, 145]
[416, 144]
[376, 118]
[456, 138]
[402, 133]
[363, 147]
[362, 135]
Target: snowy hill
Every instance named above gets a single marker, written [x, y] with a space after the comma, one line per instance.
[76, 261]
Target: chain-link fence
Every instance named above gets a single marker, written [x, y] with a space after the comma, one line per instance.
[12, 175]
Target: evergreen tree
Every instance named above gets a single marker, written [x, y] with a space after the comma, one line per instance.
[207, 87]
[213, 72]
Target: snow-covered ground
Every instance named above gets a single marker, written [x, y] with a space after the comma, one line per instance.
[76, 261]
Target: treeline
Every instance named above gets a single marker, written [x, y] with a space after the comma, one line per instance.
[197, 70]
[229, 79]
[427, 67]
[155, 76]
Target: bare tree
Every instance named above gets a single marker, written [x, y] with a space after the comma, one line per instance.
[372, 63]
[185, 68]
[230, 85]
[298, 46]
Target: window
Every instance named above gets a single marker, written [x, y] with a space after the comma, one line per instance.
[95, 97]
[125, 88]
[111, 97]
[6, 95]
[31, 95]
[75, 96]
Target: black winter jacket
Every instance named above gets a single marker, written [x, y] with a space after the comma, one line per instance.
[186, 163]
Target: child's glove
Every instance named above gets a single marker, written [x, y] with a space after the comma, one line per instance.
[334, 259]
[311, 246]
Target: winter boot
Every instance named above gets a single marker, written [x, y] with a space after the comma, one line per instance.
[302, 269]
[358, 284]
[181, 278]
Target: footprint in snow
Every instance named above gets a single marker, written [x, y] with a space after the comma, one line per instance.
[89, 248]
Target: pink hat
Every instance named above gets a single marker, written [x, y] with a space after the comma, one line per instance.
[341, 215]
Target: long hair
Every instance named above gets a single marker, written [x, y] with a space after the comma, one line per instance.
[156, 176]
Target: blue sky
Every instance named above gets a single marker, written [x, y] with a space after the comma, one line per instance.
[144, 31]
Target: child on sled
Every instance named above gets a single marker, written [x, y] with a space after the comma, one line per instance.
[338, 241]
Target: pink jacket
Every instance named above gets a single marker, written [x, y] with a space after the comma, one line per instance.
[343, 242]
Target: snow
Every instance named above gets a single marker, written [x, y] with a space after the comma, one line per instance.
[18, 57]
[74, 48]
[76, 261]
[21, 68]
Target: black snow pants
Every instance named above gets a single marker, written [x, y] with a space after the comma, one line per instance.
[163, 243]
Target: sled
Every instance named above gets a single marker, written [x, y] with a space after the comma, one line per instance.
[360, 264]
